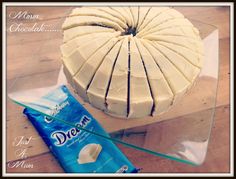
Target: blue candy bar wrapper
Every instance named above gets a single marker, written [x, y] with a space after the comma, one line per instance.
[77, 151]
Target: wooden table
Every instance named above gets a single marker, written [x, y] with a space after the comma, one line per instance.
[28, 44]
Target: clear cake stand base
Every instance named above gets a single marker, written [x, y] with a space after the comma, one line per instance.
[181, 134]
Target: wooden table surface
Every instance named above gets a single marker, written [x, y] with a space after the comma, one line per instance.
[217, 159]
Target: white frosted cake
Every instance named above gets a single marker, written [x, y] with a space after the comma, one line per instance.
[130, 62]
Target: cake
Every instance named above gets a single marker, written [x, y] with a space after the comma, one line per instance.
[130, 62]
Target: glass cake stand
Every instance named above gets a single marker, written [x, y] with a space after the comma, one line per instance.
[181, 134]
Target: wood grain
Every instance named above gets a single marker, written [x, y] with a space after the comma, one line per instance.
[46, 58]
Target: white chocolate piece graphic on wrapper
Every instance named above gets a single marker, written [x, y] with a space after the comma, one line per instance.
[89, 153]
